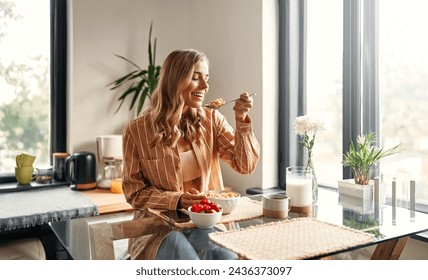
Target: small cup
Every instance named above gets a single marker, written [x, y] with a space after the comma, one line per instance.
[25, 160]
[276, 206]
[24, 174]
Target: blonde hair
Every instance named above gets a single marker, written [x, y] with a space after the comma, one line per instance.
[167, 102]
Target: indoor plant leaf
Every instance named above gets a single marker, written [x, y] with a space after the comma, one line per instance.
[143, 81]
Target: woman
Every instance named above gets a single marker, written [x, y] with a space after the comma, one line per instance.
[172, 152]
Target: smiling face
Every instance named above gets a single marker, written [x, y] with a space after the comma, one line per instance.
[195, 92]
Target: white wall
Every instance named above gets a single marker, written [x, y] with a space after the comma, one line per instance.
[238, 36]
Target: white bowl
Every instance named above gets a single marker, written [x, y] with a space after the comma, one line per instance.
[227, 200]
[205, 220]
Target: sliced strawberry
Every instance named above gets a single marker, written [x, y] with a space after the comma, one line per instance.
[196, 208]
[205, 201]
[206, 208]
[215, 207]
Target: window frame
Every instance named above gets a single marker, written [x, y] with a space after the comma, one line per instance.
[58, 76]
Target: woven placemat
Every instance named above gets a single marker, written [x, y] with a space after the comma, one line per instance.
[246, 209]
[294, 239]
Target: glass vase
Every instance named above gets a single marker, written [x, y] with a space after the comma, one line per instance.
[310, 164]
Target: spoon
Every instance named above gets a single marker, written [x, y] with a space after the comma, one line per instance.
[219, 106]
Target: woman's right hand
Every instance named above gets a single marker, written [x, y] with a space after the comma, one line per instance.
[242, 106]
[191, 197]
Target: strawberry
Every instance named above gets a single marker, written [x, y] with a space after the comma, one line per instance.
[205, 201]
[215, 207]
[196, 208]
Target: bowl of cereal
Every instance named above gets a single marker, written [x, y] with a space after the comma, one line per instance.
[227, 200]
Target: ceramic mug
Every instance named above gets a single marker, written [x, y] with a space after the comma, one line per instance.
[25, 160]
[24, 174]
[276, 206]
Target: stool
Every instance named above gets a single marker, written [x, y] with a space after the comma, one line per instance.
[22, 249]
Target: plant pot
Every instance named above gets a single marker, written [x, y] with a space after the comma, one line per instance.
[355, 197]
[348, 187]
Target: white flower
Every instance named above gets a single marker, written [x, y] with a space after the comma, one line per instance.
[305, 125]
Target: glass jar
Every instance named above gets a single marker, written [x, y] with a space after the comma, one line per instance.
[44, 175]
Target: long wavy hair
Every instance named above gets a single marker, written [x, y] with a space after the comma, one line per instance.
[167, 101]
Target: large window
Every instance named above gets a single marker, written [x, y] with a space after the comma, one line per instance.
[33, 42]
[24, 81]
[386, 39]
[403, 88]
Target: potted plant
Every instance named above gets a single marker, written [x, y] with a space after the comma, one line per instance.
[140, 82]
[363, 158]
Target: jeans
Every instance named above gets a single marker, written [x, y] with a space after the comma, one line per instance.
[193, 244]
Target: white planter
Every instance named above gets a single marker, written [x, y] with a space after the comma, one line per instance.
[348, 187]
[355, 197]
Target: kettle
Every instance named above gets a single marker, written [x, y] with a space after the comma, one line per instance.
[81, 170]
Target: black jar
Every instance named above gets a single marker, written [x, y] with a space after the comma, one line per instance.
[58, 166]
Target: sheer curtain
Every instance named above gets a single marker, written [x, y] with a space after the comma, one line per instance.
[292, 81]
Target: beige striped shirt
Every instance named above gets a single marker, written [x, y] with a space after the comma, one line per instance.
[152, 176]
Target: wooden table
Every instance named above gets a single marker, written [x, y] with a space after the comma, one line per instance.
[108, 202]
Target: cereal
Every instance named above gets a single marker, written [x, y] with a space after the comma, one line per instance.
[217, 103]
[222, 195]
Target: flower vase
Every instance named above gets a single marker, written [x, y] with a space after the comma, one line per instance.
[310, 164]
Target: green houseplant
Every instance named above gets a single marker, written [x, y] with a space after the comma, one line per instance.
[139, 83]
[363, 158]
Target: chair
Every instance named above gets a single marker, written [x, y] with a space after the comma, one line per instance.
[102, 235]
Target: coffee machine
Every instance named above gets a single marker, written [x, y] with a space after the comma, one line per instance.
[109, 157]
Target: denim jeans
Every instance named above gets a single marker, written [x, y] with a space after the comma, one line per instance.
[192, 244]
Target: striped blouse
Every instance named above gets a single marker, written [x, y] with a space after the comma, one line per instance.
[152, 176]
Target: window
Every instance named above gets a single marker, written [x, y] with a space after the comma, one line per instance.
[32, 81]
[24, 81]
[324, 84]
[386, 41]
[403, 88]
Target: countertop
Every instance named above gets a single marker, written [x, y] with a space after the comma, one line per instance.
[40, 205]
[108, 202]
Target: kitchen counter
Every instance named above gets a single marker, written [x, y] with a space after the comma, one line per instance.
[38, 206]
[108, 202]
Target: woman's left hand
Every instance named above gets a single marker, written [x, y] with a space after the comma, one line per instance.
[191, 197]
[242, 106]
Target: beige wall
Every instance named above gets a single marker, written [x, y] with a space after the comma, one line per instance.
[238, 36]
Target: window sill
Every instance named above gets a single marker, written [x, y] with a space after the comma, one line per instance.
[15, 187]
